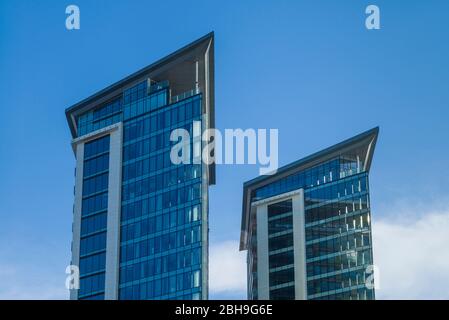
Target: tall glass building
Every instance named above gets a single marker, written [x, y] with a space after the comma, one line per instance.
[140, 222]
[307, 228]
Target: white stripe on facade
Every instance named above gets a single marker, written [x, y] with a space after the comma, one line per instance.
[114, 209]
[299, 252]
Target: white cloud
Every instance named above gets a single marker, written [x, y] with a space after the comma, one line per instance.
[227, 269]
[411, 249]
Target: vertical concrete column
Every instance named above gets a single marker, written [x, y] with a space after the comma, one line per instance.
[76, 225]
[204, 233]
[299, 244]
[114, 209]
[263, 283]
[204, 214]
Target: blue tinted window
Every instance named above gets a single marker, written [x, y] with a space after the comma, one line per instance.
[161, 202]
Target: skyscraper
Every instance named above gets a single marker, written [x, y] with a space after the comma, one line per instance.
[140, 222]
[307, 228]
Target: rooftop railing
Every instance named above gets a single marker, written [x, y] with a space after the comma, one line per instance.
[184, 95]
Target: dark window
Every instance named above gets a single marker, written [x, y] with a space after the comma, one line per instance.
[283, 276]
[279, 208]
[281, 259]
[279, 225]
[280, 242]
[287, 293]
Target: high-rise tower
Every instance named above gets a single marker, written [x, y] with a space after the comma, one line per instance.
[307, 228]
[140, 222]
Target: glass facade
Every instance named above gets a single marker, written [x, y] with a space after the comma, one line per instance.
[337, 225]
[161, 248]
[338, 239]
[101, 117]
[161, 223]
[280, 250]
[140, 222]
[93, 219]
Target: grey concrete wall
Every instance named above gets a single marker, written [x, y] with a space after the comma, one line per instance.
[204, 224]
[299, 246]
[263, 283]
[114, 210]
[263, 270]
[114, 205]
[76, 224]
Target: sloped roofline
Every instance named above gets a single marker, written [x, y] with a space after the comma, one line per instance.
[369, 136]
[208, 38]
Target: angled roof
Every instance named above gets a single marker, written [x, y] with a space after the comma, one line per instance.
[195, 49]
[367, 138]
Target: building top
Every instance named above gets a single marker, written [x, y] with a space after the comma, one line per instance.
[189, 69]
[178, 68]
[364, 143]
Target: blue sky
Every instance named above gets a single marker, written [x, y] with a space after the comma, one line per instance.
[309, 68]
